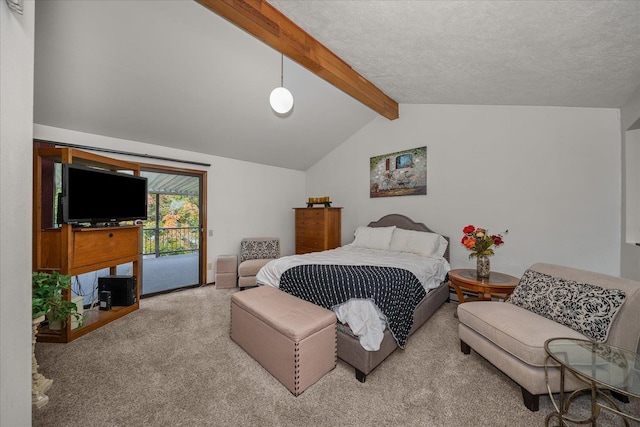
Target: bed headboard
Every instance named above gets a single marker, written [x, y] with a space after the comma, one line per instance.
[406, 223]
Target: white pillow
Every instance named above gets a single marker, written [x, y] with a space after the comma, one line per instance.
[418, 242]
[373, 237]
[443, 246]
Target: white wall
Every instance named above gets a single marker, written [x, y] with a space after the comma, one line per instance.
[16, 116]
[244, 199]
[630, 254]
[549, 175]
[631, 187]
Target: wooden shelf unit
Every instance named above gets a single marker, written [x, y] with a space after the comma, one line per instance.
[77, 250]
[317, 229]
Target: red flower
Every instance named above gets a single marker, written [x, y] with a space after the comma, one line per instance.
[468, 229]
[497, 240]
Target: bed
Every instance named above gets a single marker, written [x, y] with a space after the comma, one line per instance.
[392, 256]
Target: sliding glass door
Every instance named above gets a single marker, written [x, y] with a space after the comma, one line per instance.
[172, 244]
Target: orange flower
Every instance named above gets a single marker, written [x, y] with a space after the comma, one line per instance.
[469, 242]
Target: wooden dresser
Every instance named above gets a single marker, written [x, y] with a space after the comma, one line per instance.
[317, 229]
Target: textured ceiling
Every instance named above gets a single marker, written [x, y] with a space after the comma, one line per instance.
[558, 53]
[173, 73]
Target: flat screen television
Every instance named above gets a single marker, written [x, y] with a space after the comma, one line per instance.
[96, 196]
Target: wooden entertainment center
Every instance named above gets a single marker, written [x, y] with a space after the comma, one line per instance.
[78, 250]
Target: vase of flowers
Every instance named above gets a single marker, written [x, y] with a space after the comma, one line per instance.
[481, 244]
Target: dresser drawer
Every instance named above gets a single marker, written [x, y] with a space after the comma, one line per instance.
[310, 234]
[303, 247]
[309, 213]
[308, 223]
[316, 242]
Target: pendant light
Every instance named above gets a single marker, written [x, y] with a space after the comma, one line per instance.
[281, 99]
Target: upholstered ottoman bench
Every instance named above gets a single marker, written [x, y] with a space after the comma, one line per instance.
[291, 338]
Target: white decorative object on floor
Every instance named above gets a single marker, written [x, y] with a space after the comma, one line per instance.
[39, 384]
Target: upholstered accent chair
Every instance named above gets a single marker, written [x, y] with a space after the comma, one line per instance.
[255, 252]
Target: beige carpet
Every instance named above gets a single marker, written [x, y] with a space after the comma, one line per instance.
[172, 363]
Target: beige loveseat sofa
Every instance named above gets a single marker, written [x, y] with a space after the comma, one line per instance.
[512, 337]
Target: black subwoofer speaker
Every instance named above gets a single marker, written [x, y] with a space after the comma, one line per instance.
[122, 288]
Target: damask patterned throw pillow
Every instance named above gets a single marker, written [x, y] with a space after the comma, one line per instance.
[585, 308]
[259, 249]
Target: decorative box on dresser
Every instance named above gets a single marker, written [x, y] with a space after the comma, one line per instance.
[317, 229]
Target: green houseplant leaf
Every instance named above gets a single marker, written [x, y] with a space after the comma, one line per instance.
[47, 297]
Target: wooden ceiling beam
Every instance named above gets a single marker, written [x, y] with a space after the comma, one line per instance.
[268, 24]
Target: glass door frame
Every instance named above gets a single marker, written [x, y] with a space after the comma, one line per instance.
[202, 176]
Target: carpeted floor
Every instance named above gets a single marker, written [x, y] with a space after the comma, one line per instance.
[172, 363]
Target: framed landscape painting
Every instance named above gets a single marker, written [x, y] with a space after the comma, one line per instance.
[399, 174]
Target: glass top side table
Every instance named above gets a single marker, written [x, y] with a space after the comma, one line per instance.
[601, 367]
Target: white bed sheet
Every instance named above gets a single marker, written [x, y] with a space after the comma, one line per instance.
[363, 316]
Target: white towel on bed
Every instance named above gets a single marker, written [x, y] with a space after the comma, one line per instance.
[365, 320]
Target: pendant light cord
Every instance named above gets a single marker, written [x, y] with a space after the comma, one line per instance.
[282, 70]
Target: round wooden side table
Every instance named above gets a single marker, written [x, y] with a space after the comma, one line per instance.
[497, 284]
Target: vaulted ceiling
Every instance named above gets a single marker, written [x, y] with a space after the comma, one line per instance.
[174, 73]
